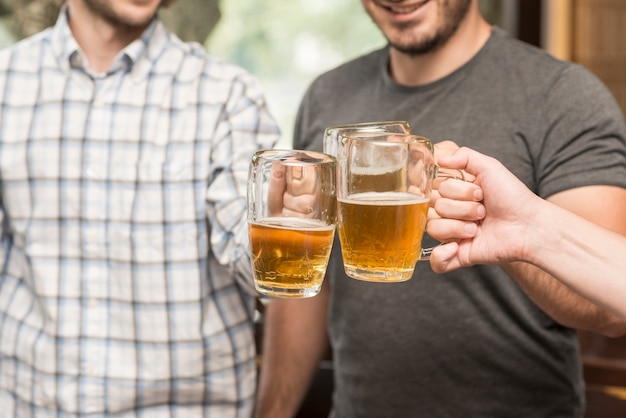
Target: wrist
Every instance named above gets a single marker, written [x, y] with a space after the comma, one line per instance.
[542, 234]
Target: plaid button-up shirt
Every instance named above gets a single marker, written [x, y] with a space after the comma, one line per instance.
[126, 285]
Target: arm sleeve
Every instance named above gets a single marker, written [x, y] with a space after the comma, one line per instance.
[245, 128]
[585, 143]
[309, 128]
[299, 132]
[5, 243]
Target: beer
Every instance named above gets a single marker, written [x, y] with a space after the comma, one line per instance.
[381, 234]
[374, 179]
[290, 255]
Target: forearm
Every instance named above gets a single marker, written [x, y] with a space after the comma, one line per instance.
[563, 304]
[233, 145]
[295, 340]
[552, 248]
[586, 258]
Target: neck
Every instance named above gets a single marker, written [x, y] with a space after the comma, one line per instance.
[415, 70]
[99, 39]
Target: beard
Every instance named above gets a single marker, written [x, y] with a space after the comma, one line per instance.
[104, 9]
[453, 16]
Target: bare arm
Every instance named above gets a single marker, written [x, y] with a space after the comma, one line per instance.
[295, 341]
[520, 226]
[604, 206]
[586, 257]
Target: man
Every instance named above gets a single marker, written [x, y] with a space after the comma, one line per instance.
[126, 282]
[489, 341]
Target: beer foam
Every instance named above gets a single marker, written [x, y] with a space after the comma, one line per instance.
[378, 170]
[385, 198]
[294, 223]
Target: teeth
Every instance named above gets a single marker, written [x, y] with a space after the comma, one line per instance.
[403, 9]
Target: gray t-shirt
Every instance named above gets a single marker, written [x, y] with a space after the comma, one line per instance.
[467, 343]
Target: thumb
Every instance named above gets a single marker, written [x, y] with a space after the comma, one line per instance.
[470, 161]
[459, 159]
[444, 258]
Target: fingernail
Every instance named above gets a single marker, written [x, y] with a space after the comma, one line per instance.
[478, 194]
[480, 211]
[470, 228]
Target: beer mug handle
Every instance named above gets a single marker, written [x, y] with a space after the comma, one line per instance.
[425, 253]
[451, 173]
[445, 173]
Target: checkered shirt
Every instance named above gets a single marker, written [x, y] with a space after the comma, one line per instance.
[126, 285]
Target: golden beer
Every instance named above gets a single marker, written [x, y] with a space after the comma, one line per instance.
[381, 234]
[290, 255]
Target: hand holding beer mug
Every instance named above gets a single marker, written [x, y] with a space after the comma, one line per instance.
[333, 134]
[291, 220]
[383, 190]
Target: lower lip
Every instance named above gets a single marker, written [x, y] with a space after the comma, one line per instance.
[404, 17]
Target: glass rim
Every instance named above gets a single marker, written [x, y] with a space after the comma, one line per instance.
[374, 136]
[295, 155]
[368, 124]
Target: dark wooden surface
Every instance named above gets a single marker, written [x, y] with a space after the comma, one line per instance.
[604, 366]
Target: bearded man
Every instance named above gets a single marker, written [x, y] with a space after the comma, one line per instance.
[484, 341]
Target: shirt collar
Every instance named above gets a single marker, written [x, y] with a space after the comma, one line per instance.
[137, 57]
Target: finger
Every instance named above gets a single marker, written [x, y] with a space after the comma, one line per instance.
[450, 229]
[432, 214]
[301, 180]
[434, 196]
[310, 213]
[459, 209]
[445, 148]
[443, 258]
[469, 161]
[460, 190]
[276, 189]
[459, 160]
[448, 150]
[302, 204]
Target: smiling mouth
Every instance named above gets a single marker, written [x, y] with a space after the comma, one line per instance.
[400, 9]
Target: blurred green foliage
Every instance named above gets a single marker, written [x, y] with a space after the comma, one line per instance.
[273, 37]
[288, 43]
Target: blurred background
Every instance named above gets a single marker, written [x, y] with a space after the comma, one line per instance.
[288, 43]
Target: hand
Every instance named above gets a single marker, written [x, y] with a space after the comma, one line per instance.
[487, 221]
[293, 191]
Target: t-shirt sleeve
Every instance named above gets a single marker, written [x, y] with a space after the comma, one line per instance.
[585, 143]
[301, 120]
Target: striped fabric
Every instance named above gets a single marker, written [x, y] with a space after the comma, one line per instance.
[125, 287]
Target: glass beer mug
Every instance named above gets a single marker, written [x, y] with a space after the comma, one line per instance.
[383, 190]
[333, 134]
[291, 220]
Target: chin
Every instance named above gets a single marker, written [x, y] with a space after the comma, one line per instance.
[137, 17]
